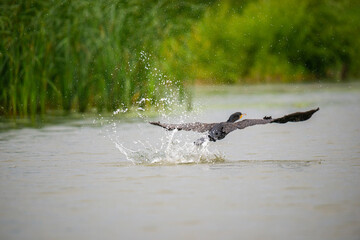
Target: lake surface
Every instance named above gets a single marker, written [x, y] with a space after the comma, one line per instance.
[117, 178]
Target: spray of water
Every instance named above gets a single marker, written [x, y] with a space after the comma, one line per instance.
[169, 148]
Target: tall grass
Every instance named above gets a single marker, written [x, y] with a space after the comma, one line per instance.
[76, 55]
[270, 41]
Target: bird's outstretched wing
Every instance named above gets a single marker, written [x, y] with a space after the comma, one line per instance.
[197, 126]
[229, 127]
[251, 122]
[294, 117]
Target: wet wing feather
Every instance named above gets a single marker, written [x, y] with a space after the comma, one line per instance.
[197, 126]
[246, 123]
[296, 117]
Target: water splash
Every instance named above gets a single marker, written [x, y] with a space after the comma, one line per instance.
[171, 147]
[171, 151]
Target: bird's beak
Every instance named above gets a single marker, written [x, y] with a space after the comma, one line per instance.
[242, 115]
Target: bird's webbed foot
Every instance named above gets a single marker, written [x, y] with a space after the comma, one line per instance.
[201, 141]
[211, 138]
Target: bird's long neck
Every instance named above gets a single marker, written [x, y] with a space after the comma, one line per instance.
[232, 119]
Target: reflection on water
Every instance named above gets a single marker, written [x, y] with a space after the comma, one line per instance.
[297, 164]
[133, 180]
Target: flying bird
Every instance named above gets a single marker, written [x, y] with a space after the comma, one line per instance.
[218, 131]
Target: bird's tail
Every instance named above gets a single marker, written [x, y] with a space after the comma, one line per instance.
[296, 117]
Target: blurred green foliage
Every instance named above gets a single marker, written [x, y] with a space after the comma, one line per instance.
[76, 55]
[270, 41]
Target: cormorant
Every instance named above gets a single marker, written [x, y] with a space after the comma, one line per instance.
[218, 131]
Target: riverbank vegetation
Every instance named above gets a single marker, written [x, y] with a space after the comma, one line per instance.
[104, 55]
[271, 41]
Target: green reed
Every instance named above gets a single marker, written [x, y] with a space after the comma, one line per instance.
[83, 55]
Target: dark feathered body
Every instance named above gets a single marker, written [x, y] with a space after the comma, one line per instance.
[218, 132]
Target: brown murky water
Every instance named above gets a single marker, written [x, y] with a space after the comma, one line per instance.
[293, 181]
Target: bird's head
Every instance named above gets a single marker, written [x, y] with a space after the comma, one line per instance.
[235, 116]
